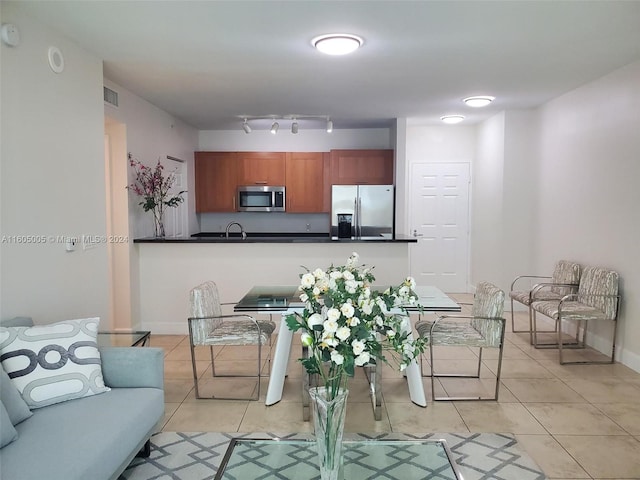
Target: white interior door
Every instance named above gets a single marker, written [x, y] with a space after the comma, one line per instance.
[439, 217]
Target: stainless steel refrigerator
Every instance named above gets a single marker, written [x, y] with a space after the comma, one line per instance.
[371, 208]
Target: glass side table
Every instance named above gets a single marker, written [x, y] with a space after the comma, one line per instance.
[124, 339]
[363, 459]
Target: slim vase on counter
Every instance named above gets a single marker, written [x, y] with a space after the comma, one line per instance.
[158, 224]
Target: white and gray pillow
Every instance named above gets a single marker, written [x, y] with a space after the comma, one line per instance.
[53, 363]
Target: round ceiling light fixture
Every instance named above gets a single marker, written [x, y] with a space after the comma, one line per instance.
[479, 101]
[452, 119]
[337, 43]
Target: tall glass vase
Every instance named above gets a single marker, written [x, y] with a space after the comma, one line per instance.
[158, 224]
[328, 423]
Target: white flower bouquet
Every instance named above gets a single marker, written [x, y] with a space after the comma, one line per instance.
[347, 323]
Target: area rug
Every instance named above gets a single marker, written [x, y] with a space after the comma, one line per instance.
[196, 456]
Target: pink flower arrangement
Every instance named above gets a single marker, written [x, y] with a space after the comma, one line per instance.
[154, 188]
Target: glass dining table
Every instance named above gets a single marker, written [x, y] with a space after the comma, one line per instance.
[284, 299]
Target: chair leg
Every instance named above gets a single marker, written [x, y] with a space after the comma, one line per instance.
[194, 369]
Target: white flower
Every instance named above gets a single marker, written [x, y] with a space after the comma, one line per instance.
[351, 286]
[306, 339]
[362, 359]
[410, 282]
[328, 340]
[304, 297]
[347, 310]
[347, 275]
[335, 275]
[319, 273]
[343, 333]
[358, 347]
[353, 259]
[307, 280]
[367, 307]
[403, 367]
[315, 319]
[333, 314]
[391, 333]
[316, 290]
[337, 358]
[407, 349]
[382, 305]
[330, 326]
[353, 321]
[404, 291]
[378, 320]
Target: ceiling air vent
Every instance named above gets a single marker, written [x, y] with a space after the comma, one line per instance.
[110, 96]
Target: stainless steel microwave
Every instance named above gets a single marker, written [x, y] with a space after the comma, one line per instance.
[261, 199]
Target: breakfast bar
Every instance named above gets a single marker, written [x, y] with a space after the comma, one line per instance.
[167, 269]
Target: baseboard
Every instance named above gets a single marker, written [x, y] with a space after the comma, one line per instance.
[167, 328]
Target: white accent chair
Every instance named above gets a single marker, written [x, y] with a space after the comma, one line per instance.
[565, 279]
[209, 327]
[484, 328]
[597, 299]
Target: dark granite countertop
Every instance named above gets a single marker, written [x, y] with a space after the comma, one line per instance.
[261, 237]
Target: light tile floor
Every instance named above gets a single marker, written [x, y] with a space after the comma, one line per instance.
[576, 421]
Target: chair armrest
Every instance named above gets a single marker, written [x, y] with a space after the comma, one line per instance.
[127, 367]
[542, 286]
[519, 277]
[215, 317]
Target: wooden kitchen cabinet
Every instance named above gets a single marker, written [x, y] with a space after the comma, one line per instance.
[261, 168]
[367, 167]
[307, 190]
[215, 175]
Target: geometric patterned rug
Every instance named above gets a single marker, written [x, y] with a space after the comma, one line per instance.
[196, 456]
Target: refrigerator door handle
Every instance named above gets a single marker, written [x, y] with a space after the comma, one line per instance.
[359, 223]
[356, 218]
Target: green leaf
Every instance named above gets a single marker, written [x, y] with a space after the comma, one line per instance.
[293, 323]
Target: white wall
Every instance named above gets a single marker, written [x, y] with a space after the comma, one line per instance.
[153, 133]
[588, 207]
[285, 141]
[52, 181]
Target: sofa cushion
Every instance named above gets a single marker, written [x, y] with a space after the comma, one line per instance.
[7, 431]
[17, 408]
[53, 363]
[87, 438]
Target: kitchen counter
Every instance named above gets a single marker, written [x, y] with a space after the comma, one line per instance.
[216, 237]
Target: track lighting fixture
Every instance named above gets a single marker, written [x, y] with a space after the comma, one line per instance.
[261, 122]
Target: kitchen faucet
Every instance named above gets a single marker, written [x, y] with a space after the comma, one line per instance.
[244, 235]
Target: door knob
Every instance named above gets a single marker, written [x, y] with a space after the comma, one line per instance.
[416, 234]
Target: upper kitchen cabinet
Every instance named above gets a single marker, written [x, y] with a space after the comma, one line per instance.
[261, 168]
[367, 167]
[216, 174]
[307, 186]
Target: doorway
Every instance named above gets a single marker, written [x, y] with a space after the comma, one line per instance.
[439, 218]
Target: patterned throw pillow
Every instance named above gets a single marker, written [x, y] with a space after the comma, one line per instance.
[53, 363]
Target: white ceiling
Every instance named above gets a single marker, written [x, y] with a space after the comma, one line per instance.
[209, 62]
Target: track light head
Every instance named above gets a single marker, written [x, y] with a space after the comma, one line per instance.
[246, 127]
[274, 127]
[294, 126]
[329, 126]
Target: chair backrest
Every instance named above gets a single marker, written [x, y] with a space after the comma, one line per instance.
[565, 272]
[599, 281]
[204, 301]
[488, 302]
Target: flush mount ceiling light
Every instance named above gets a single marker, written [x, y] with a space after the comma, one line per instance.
[337, 43]
[246, 127]
[452, 119]
[294, 126]
[275, 127]
[479, 101]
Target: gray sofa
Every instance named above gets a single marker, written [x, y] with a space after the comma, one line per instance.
[93, 437]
